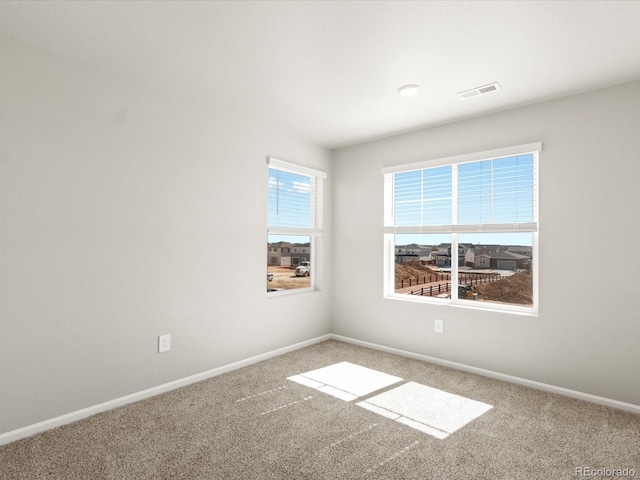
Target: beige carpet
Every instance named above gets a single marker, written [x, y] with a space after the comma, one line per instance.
[254, 423]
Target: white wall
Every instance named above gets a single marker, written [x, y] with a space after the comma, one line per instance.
[586, 335]
[126, 213]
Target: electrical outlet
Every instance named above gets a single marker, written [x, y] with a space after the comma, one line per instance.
[164, 343]
[439, 325]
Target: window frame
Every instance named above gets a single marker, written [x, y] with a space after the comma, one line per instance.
[314, 231]
[455, 229]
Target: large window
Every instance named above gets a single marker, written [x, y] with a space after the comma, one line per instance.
[464, 230]
[294, 226]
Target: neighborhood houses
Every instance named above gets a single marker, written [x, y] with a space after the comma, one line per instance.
[285, 254]
[496, 257]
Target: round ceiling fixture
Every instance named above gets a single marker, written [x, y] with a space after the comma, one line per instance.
[408, 90]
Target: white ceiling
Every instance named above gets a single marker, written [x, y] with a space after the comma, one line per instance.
[328, 71]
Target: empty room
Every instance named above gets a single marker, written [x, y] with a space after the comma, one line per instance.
[444, 197]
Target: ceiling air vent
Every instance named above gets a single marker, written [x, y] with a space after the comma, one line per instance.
[474, 92]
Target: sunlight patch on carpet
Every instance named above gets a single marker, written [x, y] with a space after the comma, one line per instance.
[345, 380]
[427, 409]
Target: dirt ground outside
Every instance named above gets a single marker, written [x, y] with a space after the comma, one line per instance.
[285, 278]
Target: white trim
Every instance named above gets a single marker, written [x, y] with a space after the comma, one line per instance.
[466, 228]
[291, 291]
[71, 417]
[467, 157]
[511, 309]
[389, 266]
[295, 168]
[308, 232]
[389, 220]
[587, 397]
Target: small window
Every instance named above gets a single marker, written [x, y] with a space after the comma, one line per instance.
[294, 225]
[464, 230]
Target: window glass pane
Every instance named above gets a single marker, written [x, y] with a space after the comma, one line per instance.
[496, 268]
[436, 192]
[423, 265]
[475, 190]
[408, 198]
[289, 199]
[489, 195]
[496, 191]
[288, 262]
[422, 197]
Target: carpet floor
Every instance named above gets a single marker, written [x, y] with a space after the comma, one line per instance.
[338, 411]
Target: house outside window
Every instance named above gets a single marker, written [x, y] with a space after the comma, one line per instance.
[295, 198]
[473, 221]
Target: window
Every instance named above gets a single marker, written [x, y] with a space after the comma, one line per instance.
[464, 230]
[294, 218]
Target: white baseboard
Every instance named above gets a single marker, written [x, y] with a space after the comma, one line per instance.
[71, 417]
[607, 402]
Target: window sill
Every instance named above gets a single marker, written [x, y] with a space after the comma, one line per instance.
[468, 305]
[293, 291]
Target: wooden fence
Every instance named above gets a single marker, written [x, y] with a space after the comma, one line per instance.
[463, 279]
[410, 282]
[432, 290]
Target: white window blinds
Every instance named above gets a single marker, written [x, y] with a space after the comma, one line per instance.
[494, 191]
[295, 199]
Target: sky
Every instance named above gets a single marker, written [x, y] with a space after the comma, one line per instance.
[289, 238]
[289, 204]
[289, 199]
[493, 191]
